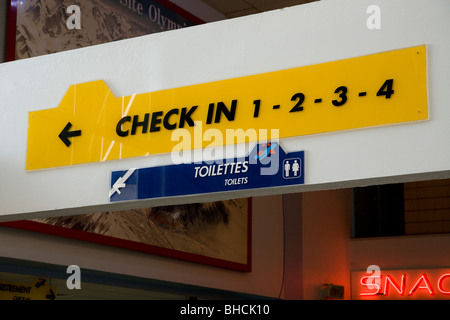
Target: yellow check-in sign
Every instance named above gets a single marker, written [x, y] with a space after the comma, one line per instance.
[92, 125]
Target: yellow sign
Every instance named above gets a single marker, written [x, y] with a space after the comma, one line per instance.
[38, 290]
[92, 125]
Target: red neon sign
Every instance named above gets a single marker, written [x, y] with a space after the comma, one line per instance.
[404, 284]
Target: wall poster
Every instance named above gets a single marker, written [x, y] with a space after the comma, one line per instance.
[37, 27]
[212, 233]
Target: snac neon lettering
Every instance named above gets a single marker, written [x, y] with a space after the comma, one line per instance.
[422, 284]
[372, 286]
[400, 289]
[418, 285]
[440, 283]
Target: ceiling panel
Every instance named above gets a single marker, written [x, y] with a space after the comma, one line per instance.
[229, 5]
[237, 8]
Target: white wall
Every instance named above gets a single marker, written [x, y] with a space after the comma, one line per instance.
[296, 36]
[326, 228]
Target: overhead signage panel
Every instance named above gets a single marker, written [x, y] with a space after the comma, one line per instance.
[92, 125]
[267, 165]
[39, 289]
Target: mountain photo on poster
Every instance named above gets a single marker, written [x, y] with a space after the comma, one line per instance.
[42, 25]
[213, 229]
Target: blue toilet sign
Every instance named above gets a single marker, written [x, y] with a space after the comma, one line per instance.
[267, 165]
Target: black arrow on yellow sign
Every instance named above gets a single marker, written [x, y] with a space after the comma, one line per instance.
[66, 134]
[51, 296]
